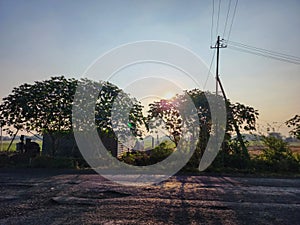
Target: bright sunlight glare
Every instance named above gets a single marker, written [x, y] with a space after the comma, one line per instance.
[168, 95]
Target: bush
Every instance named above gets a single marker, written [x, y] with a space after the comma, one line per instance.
[144, 158]
[24, 160]
[51, 162]
[5, 160]
[160, 153]
[276, 157]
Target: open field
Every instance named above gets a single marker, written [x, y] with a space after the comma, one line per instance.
[66, 197]
[13, 146]
[6, 144]
[257, 149]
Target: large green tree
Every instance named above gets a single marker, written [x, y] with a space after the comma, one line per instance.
[239, 118]
[46, 107]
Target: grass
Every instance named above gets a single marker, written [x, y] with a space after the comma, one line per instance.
[6, 144]
[255, 147]
[13, 146]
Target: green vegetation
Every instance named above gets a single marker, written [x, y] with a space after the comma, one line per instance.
[46, 108]
[277, 157]
[294, 123]
[13, 146]
[144, 158]
[53, 162]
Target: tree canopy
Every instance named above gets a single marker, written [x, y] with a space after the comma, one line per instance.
[168, 111]
[294, 123]
[46, 107]
[239, 117]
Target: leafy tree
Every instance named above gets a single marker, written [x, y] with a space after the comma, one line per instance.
[295, 124]
[42, 106]
[164, 113]
[46, 107]
[167, 113]
[114, 110]
[238, 116]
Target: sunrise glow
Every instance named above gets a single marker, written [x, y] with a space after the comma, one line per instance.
[169, 95]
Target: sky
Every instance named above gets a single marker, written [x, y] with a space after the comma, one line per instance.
[40, 39]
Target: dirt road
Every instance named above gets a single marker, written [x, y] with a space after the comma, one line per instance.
[67, 197]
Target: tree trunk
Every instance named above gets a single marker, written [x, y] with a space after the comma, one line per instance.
[54, 141]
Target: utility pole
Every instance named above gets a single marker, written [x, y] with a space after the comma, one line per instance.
[219, 44]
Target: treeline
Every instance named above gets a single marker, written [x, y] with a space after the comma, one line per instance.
[46, 108]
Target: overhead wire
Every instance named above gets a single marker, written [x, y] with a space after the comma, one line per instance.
[218, 18]
[243, 47]
[264, 52]
[212, 22]
[226, 21]
[211, 42]
[217, 28]
[208, 74]
[234, 12]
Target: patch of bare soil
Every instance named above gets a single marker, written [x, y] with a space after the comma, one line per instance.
[63, 197]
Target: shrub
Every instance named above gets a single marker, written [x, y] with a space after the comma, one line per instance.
[144, 158]
[5, 160]
[51, 162]
[277, 157]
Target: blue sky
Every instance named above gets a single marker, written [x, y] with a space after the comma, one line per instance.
[40, 39]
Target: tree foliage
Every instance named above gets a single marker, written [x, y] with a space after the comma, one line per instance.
[145, 158]
[277, 156]
[294, 123]
[114, 110]
[237, 114]
[46, 107]
[164, 113]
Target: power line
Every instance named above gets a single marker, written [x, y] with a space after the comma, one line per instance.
[218, 18]
[228, 10]
[264, 54]
[212, 22]
[234, 12]
[266, 51]
[208, 74]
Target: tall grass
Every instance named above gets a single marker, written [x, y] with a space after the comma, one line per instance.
[13, 146]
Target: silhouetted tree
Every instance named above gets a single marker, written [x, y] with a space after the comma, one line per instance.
[295, 124]
[169, 113]
[46, 107]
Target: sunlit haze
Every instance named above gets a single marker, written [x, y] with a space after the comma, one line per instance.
[40, 39]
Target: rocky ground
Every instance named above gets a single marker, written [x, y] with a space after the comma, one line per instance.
[39, 196]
